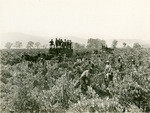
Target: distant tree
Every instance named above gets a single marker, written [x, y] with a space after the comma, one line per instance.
[44, 46]
[78, 46]
[145, 45]
[18, 44]
[136, 45]
[30, 45]
[37, 44]
[114, 44]
[8, 45]
[95, 44]
[124, 44]
[128, 47]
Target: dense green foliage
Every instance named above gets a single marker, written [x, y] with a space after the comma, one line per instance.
[27, 86]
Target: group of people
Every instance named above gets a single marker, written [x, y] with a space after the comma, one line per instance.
[60, 43]
[87, 74]
[108, 73]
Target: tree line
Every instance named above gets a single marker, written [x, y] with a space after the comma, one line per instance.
[30, 45]
[96, 44]
[91, 44]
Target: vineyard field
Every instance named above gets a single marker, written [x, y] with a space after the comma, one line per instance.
[49, 86]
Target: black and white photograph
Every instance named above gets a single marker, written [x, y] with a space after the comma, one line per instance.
[74, 56]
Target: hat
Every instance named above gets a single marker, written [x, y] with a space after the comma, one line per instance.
[107, 61]
[132, 60]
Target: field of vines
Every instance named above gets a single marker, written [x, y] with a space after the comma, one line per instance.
[50, 87]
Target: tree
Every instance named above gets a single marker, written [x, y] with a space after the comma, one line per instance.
[124, 44]
[78, 46]
[136, 45]
[8, 45]
[114, 44]
[128, 47]
[37, 44]
[18, 44]
[30, 45]
[44, 46]
[94, 44]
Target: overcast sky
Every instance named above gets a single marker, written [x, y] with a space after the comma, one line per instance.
[114, 19]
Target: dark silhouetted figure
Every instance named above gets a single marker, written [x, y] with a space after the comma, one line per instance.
[120, 67]
[61, 43]
[84, 81]
[65, 43]
[70, 44]
[108, 73]
[51, 43]
[56, 42]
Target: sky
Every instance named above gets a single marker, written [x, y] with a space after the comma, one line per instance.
[107, 19]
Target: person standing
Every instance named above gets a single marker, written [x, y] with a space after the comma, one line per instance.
[120, 67]
[65, 43]
[70, 44]
[133, 68]
[61, 43]
[85, 80]
[51, 43]
[108, 73]
[56, 42]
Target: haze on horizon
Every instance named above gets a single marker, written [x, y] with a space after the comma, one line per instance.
[106, 19]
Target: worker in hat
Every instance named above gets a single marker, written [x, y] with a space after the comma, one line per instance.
[108, 73]
[120, 68]
[107, 67]
[133, 67]
[51, 43]
[84, 80]
[119, 59]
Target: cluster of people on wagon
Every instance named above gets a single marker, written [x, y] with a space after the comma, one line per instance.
[60, 43]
